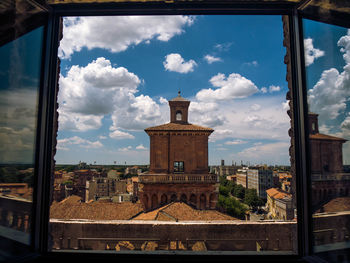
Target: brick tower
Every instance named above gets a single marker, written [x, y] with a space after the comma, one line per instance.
[328, 177]
[178, 163]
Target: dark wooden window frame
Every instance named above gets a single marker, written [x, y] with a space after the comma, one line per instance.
[47, 114]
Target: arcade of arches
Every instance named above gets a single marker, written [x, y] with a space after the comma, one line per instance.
[204, 201]
[196, 195]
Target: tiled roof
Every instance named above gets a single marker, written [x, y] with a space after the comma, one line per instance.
[72, 208]
[320, 136]
[179, 98]
[337, 205]
[178, 211]
[277, 193]
[178, 127]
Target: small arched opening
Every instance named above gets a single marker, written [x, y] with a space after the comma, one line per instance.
[183, 198]
[178, 116]
[145, 201]
[203, 202]
[163, 199]
[173, 198]
[193, 200]
[154, 201]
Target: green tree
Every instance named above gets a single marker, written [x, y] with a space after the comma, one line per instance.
[238, 191]
[252, 199]
[223, 190]
[231, 206]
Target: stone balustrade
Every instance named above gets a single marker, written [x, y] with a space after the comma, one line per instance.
[331, 230]
[204, 236]
[15, 213]
[178, 178]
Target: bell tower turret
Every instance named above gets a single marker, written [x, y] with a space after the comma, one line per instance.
[179, 109]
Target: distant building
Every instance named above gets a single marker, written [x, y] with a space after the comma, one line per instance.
[82, 165]
[178, 163]
[119, 198]
[58, 193]
[60, 190]
[223, 170]
[113, 174]
[79, 183]
[132, 170]
[231, 178]
[261, 180]
[242, 179]
[100, 187]
[279, 204]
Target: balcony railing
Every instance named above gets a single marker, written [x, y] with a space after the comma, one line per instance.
[203, 236]
[15, 218]
[178, 178]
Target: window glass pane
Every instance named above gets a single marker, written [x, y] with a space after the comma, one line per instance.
[327, 60]
[123, 155]
[20, 67]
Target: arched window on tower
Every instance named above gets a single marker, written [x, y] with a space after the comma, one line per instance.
[179, 116]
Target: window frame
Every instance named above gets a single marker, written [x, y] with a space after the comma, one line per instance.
[178, 165]
[46, 133]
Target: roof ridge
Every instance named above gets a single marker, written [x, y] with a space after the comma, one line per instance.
[326, 135]
[166, 214]
[178, 126]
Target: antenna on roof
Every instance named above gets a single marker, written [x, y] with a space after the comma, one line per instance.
[179, 93]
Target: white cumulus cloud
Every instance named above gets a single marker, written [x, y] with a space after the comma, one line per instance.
[311, 53]
[273, 88]
[141, 147]
[231, 87]
[117, 33]
[329, 95]
[88, 94]
[235, 142]
[211, 59]
[119, 135]
[175, 62]
[63, 144]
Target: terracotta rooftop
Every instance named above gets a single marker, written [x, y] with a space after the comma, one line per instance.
[178, 127]
[72, 208]
[282, 176]
[277, 193]
[178, 211]
[320, 136]
[337, 205]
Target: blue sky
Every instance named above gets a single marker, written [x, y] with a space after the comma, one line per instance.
[117, 74]
[116, 80]
[328, 78]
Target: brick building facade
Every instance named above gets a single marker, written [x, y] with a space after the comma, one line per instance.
[178, 163]
[328, 177]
